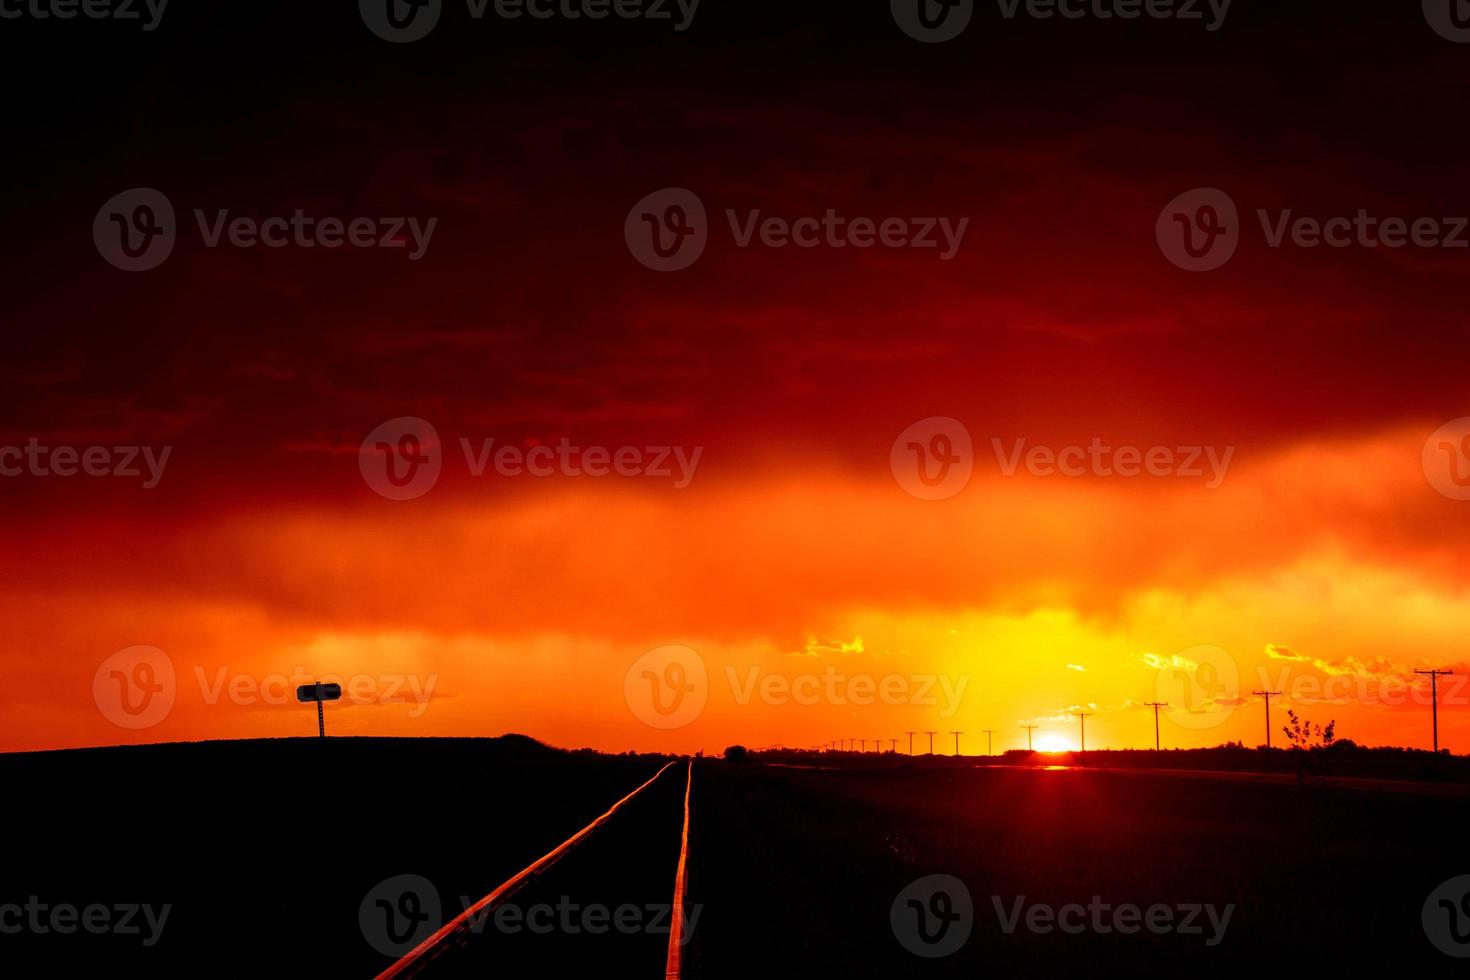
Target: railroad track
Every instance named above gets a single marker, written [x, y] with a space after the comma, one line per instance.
[611, 896]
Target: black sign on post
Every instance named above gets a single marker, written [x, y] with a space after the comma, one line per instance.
[319, 692]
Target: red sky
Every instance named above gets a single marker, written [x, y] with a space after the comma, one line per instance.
[521, 603]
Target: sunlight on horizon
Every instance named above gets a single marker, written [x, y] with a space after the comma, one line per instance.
[1053, 743]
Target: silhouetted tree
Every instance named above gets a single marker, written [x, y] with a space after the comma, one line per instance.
[1302, 734]
[736, 753]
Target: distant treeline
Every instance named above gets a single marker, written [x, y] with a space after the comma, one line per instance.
[1342, 759]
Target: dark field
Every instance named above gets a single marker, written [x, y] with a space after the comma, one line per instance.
[1320, 879]
[266, 851]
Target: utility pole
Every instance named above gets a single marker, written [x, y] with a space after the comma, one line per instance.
[989, 740]
[893, 746]
[1434, 676]
[911, 741]
[1082, 717]
[931, 741]
[957, 741]
[1156, 705]
[1268, 695]
[863, 745]
[1029, 730]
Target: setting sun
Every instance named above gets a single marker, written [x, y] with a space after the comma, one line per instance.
[1052, 743]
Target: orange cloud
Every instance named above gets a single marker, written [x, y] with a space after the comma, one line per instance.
[527, 610]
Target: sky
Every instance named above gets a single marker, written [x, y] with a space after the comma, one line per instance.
[777, 573]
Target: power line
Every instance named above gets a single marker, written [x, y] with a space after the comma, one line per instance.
[989, 741]
[1029, 730]
[1082, 717]
[1268, 695]
[1434, 676]
[957, 741]
[1156, 705]
[911, 741]
[931, 741]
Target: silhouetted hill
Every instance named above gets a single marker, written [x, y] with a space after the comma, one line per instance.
[267, 847]
[509, 744]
